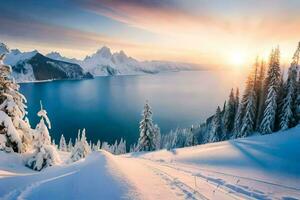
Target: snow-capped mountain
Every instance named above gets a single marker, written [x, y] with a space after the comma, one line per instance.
[104, 62]
[33, 66]
[3, 49]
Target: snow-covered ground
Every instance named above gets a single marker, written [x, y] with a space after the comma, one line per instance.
[259, 167]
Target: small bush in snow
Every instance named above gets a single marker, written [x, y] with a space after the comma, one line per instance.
[45, 153]
[81, 148]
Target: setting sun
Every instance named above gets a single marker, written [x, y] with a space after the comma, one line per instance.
[237, 58]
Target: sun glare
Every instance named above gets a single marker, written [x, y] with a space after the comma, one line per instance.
[237, 58]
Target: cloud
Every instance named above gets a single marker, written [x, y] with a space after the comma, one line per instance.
[252, 18]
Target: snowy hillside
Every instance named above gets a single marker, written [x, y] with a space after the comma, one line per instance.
[104, 62]
[33, 66]
[258, 167]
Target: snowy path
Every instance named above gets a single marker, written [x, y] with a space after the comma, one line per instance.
[91, 179]
[265, 168]
[155, 180]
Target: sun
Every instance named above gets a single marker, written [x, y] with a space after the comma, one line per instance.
[237, 58]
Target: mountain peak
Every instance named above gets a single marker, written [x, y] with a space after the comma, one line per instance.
[54, 54]
[104, 52]
[3, 49]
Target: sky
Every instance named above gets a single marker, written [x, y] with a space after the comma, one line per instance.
[217, 33]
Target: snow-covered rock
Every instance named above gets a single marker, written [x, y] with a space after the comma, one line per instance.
[104, 63]
[33, 66]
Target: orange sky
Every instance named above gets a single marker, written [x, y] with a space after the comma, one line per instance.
[219, 33]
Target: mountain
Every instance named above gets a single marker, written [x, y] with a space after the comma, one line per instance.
[33, 66]
[103, 62]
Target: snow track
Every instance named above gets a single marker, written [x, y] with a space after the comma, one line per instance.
[264, 168]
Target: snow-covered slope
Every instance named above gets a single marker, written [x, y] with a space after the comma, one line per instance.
[33, 66]
[259, 167]
[104, 62]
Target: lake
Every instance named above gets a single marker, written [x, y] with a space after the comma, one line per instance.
[110, 107]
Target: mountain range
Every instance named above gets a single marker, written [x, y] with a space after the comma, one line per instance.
[34, 66]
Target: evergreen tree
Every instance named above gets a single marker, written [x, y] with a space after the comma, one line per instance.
[15, 131]
[273, 78]
[216, 132]
[45, 153]
[237, 99]
[81, 148]
[249, 118]
[229, 114]
[238, 121]
[70, 145]
[62, 143]
[289, 116]
[157, 137]
[146, 140]
[98, 145]
[260, 93]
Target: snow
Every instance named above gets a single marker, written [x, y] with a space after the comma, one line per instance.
[257, 167]
[16, 56]
[87, 179]
[104, 63]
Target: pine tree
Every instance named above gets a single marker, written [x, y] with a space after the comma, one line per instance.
[249, 118]
[216, 132]
[273, 78]
[146, 139]
[157, 137]
[260, 93]
[229, 114]
[62, 143]
[98, 145]
[45, 153]
[15, 131]
[70, 145]
[288, 117]
[237, 99]
[238, 121]
[81, 148]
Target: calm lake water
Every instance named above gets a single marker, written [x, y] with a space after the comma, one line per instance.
[110, 107]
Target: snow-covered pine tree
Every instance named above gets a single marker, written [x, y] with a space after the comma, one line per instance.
[45, 153]
[98, 145]
[229, 115]
[249, 118]
[237, 100]
[273, 78]
[105, 146]
[81, 148]
[62, 143]
[15, 131]
[238, 121]
[90, 144]
[121, 147]
[240, 113]
[157, 137]
[217, 132]
[146, 139]
[288, 117]
[70, 145]
[260, 93]
[114, 148]
[297, 104]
